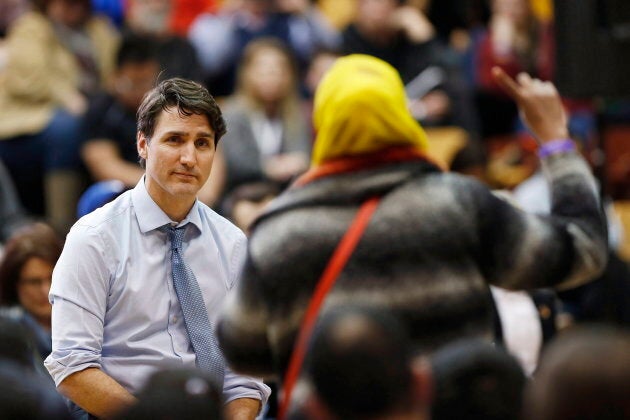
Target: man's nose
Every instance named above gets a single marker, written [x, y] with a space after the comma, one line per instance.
[188, 154]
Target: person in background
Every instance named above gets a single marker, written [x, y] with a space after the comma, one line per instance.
[361, 366]
[25, 274]
[220, 39]
[268, 137]
[176, 55]
[304, 27]
[57, 55]
[402, 35]
[109, 150]
[584, 374]
[473, 379]
[517, 42]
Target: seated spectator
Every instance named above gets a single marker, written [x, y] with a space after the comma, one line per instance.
[361, 367]
[472, 379]
[584, 375]
[176, 55]
[109, 150]
[58, 54]
[25, 275]
[220, 39]
[403, 36]
[268, 136]
[305, 28]
[177, 394]
[517, 42]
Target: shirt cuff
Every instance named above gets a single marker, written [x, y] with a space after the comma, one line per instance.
[60, 371]
[236, 386]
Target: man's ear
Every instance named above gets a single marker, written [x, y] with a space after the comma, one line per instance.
[141, 144]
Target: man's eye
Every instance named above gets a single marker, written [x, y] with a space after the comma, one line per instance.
[202, 142]
[173, 139]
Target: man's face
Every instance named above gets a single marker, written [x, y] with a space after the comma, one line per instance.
[178, 157]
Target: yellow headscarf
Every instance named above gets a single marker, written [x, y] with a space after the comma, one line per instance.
[360, 107]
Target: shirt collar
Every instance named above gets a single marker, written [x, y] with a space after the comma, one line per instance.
[150, 216]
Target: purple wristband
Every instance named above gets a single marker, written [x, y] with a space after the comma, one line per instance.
[554, 147]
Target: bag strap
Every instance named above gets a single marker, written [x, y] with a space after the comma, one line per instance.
[335, 265]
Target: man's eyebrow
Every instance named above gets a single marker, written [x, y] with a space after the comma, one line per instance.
[175, 133]
[186, 134]
[205, 134]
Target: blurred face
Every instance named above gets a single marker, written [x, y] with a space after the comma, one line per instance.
[516, 10]
[373, 16]
[149, 16]
[33, 287]
[71, 13]
[269, 76]
[318, 68]
[178, 159]
[292, 6]
[133, 80]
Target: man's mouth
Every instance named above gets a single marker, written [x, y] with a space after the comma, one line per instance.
[185, 175]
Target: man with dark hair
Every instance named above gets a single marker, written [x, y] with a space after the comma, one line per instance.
[154, 266]
[473, 379]
[361, 367]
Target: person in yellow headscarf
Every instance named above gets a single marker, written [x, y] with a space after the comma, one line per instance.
[360, 115]
[361, 107]
[435, 240]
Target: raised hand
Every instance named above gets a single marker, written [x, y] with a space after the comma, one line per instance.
[539, 104]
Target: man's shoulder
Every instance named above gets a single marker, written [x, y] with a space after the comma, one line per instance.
[108, 216]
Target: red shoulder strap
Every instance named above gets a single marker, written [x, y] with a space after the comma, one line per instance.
[337, 262]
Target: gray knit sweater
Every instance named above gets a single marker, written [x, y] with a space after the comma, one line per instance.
[434, 243]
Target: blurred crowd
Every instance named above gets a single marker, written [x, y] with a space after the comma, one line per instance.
[73, 73]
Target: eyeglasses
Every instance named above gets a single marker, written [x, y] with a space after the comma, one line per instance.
[35, 282]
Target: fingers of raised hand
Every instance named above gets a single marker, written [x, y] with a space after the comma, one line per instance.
[510, 87]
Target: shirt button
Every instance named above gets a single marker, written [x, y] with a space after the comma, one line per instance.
[174, 320]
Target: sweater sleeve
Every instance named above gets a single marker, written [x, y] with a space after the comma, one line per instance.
[563, 250]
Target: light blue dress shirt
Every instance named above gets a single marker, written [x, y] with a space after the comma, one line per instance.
[114, 306]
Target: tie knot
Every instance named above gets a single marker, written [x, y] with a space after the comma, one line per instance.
[175, 235]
